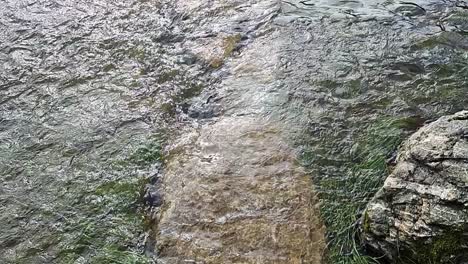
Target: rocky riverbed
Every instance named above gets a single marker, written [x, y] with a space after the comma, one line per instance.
[211, 131]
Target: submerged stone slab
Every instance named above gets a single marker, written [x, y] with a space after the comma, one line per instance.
[421, 212]
[233, 189]
[237, 195]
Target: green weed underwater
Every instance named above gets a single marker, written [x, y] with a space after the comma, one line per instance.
[343, 198]
[111, 220]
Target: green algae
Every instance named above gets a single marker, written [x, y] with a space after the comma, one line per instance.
[443, 39]
[137, 53]
[441, 249]
[229, 45]
[345, 193]
[168, 76]
[181, 98]
[117, 226]
[360, 118]
[344, 198]
[444, 83]
[148, 154]
[113, 221]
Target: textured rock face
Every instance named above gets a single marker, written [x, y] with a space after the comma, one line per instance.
[421, 213]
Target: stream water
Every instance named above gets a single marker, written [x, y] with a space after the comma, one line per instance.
[204, 131]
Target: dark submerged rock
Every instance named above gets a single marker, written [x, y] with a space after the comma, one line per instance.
[421, 212]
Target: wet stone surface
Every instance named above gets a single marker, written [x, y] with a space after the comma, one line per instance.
[420, 213]
[233, 189]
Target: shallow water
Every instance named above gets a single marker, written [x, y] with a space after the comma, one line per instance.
[367, 80]
[96, 96]
[85, 89]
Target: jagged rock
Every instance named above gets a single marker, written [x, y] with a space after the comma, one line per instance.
[421, 213]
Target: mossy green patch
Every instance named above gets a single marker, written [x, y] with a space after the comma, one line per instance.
[444, 39]
[432, 41]
[230, 44]
[329, 84]
[442, 249]
[444, 84]
[216, 63]
[168, 76]
[147, 154]
[138, 53]
[108, 67]
[409, 123]
[191, 91]
[114, 187]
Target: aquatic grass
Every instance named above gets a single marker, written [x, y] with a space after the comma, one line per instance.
[148, 154]
[445, 83]
[113, 221]
[168, 76]
[344, 195]
[106, 222]
[137, 52]
[349, 151]
[115, 255]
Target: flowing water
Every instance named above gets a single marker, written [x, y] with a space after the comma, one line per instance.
[85, 89]
[191, 131]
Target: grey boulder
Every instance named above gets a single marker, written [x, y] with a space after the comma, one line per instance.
[420, 215]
